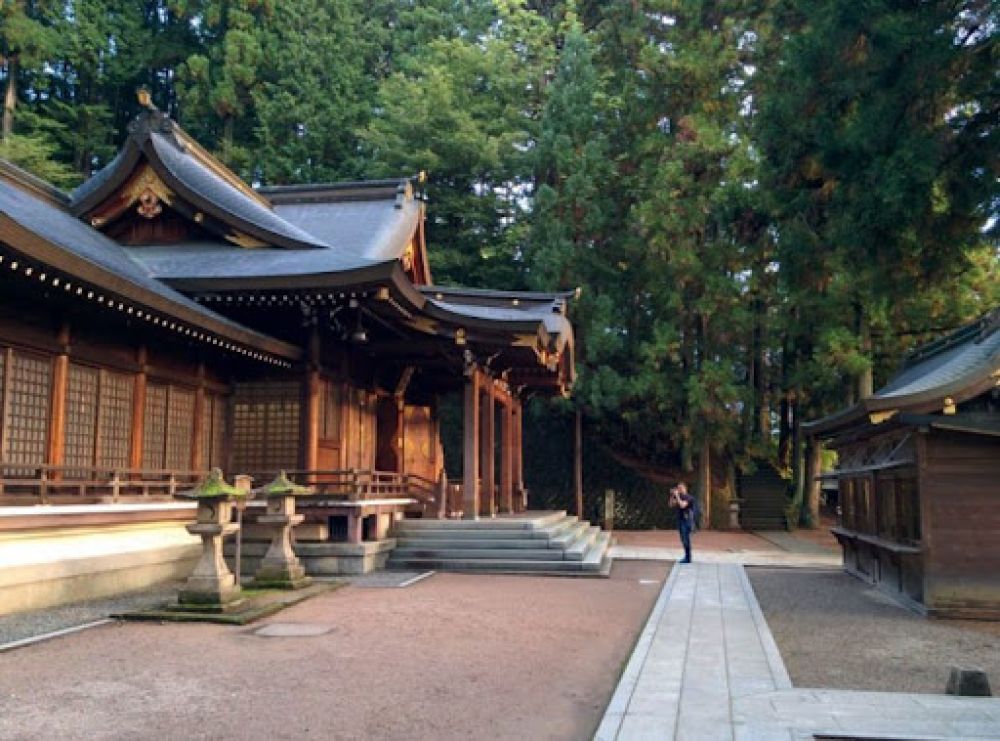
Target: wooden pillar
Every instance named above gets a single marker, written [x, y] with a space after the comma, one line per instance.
[507, 457]
[578, 464]
[60, 380]
[470, 447]
[517, 413]
[139, 409]
[311, 397]
[197, 453]
[487, 498]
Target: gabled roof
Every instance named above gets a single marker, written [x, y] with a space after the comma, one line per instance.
[957, 367]
[205, 184]
[36, 222]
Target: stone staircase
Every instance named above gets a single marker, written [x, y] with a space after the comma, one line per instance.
[763, 499]
[540, 543]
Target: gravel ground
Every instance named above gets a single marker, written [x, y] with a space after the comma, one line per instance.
[23, 625]
[454, 656]
[834, 631]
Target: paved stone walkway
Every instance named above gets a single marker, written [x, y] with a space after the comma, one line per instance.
[817, 560]
[706, 667]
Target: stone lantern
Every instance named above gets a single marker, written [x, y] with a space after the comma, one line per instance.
[281, 567]
[212, 585]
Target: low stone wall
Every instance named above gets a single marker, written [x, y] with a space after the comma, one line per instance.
[49, 566]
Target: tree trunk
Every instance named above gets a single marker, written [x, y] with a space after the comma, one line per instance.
[866, 381]
[798, 477]
[578, 464]
[10, 98]
[810, 504]
[763, 421]
[705, 484]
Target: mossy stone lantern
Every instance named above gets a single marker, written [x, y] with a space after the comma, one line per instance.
[212, 585]
[280, 567]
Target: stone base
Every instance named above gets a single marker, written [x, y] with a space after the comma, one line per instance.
[278, 583]
[192, 602]
[319, 559]
[254, 607]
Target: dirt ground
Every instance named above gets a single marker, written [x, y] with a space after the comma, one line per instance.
[451, 657]
[835, 631]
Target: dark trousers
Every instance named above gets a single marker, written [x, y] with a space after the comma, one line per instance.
[685, 530]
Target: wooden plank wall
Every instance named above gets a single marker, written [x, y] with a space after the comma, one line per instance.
[960, 499]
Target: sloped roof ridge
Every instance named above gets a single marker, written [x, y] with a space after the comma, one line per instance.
[34, 184]
[977, 331]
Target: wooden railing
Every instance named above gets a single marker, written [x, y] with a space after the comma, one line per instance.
[23, 483]
[358, 485]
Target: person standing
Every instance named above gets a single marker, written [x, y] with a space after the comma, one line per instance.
[686, 514]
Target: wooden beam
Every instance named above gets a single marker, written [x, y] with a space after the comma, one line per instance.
[487, 504]
[197, 443]
[578, 464]
[507, 458]
[470, 448]
[139, 409]
[57, 410]
[517, 413]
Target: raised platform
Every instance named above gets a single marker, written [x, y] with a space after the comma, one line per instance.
[319, 559]
[540, 543]
[116, 549]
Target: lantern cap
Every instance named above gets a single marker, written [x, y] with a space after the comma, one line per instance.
[213, 487]
[282, 486]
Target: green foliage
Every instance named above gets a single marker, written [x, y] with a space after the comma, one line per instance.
[765, 203]
[35, 153]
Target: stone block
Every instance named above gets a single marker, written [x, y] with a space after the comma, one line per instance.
[968, 681]
[311, 532]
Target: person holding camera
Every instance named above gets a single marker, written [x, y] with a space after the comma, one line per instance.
[686, 517]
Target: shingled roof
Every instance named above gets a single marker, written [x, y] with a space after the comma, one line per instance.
[957, 367]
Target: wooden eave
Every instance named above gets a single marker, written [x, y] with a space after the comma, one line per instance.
[32, 247]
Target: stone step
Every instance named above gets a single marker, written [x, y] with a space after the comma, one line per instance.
[589, 556]
[578, 550]
[468, 554]
[410, 541]
[501, 565]
[526, 522]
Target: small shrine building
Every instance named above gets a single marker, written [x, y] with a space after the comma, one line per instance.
[919, 477]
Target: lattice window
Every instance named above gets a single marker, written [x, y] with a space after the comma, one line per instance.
[154, 426]
[30, 391]
[265, 435]
[81, 418]
[180, 428]
[115, 424]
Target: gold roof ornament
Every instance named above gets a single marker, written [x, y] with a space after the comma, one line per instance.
[145, 98]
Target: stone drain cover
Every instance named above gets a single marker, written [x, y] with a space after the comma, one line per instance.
[292, 630]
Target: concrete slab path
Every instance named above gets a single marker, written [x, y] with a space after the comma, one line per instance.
[706, 667]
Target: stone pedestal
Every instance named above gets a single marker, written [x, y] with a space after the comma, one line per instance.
[281, 567]
[211, 584]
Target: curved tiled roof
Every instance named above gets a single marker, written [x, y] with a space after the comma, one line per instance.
[81, 249]
[197, 177]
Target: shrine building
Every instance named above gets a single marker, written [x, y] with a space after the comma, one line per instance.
[165, 318]
[918, 466]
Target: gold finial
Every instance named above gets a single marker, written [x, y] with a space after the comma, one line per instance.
[422, 177]
[144, 97]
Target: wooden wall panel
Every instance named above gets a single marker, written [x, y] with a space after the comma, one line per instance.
[419, 442]
[960, 494]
